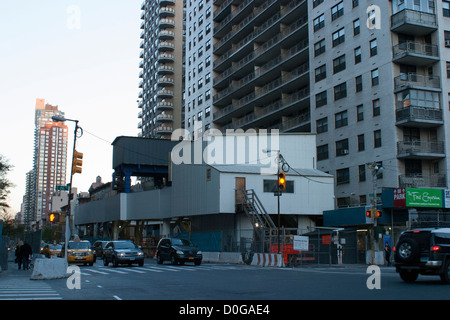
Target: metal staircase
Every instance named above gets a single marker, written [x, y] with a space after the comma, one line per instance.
[256, 211]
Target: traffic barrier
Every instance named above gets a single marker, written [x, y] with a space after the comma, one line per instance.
[47, 269]
[267, 260]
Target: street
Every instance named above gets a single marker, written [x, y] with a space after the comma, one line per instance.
[212, 281]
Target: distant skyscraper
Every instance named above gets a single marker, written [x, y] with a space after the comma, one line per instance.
[50, 161]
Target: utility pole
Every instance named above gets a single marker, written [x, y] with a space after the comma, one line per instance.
[376, 169]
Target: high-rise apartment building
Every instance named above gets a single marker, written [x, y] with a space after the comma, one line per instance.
[160, 98]
[371, 79]
[50, 160]
[198, 96]
[379, 94]
[261, 65]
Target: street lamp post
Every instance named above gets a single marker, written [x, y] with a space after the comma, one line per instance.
[67, 235]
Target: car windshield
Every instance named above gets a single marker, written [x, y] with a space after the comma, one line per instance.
[182, 242]
[78, 245]
[124, 245]
[55, 247]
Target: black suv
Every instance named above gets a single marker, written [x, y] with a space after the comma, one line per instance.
[122, 251]
[424, 251]
[178, 251]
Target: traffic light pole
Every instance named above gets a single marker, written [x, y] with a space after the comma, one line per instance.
[278, 196]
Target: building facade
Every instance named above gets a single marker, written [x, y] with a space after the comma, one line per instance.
[379, 95]
[160, 98]
[49, 163]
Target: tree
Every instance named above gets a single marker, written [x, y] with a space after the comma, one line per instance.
[5, 184]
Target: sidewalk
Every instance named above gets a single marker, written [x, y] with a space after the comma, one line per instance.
[13, 277]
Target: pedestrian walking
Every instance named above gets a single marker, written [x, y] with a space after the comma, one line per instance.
[18, 255]
[26, 253]
[387, 253]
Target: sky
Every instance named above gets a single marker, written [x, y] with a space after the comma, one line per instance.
[81, 55]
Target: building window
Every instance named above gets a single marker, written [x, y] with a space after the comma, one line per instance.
[373, 48]
[319, 22]
[446, 8]
[317, 2]
[321, 73]
[377, 139]
[322, 152]
[340, 91]
[374, 76]
[338, 37]
[321, 99]
[319, 48]
[376, 110]
[362, 173]
[340, 119]
[342, 148]
[361, 144]
[358, 83]
[360, 112]
[337, 11]
[322, 125]
[357, 55]
[356, 27]
[339, 64]
[355, 3]
[343, 176]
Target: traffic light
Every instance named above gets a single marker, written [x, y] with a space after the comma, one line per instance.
[77, 162]
[374, 213]
[377, 214]
[53, 217]
[281, 181]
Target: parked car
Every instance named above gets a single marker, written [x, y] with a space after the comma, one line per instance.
[98, 248]
[178, 250]
[425, 252]
[122, 251]
[79, 252]
[50, 250]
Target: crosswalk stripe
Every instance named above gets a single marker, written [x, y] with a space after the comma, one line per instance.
[114, 270]
[96, 271]
[28, 293]
[147, 269]
[163, 269]
[132, 270]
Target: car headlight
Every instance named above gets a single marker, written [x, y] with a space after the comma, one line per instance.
[180, 252]
[140, 253]
[120, 254]
[199, 252]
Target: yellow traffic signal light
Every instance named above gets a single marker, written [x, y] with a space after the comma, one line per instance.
[77, 162]
[281, 181]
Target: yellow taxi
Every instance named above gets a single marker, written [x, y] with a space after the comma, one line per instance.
[79, 252]
[53, 249]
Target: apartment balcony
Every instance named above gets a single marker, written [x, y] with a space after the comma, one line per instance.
[164, 105]
[414, 23]
[141, 74]
[141, 45]
[165, 81]
[163, 129]
[166, 57]
[415, 53]
[141, 64]
[142, 36]
[139, 125]
[141, 84]
[417, 149]
[164, 70]
[166, 23]
[163, 46]
[164, 117]
[164, 3]
[437, 180]
[140, 104]
[140, 114]
[417, 81]
[166, 12]
[166, 35]
[162, 94]
[420, 117]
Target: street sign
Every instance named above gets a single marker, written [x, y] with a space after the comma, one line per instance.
[62, 188]
[301, 243]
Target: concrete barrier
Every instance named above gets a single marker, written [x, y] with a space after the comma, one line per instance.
[223, 257]
[48, 269]
[267, 260]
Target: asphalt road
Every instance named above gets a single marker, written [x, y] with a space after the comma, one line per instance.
[222, 282]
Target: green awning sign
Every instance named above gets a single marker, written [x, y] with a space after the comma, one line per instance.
[426, 198]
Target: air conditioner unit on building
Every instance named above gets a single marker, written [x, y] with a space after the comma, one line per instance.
[345, 151]
[447, 43]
